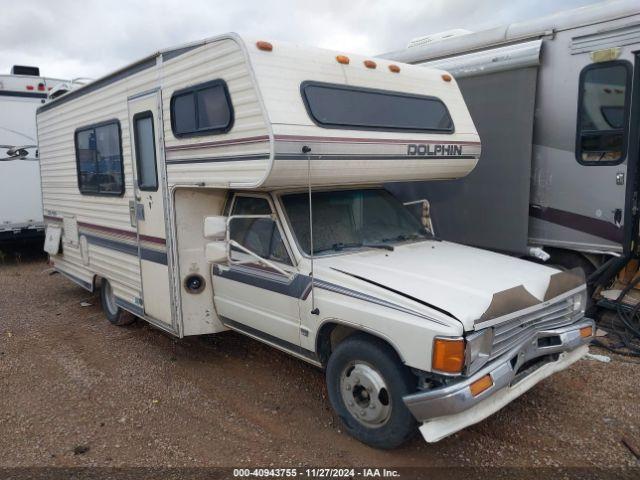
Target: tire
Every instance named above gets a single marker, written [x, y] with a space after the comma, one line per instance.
[359, 367]
[116, 315]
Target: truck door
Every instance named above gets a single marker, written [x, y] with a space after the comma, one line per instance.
[149, 208]
[251, 297]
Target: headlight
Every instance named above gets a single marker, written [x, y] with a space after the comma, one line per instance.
[478, 349]
[579, 301]
[453, 355]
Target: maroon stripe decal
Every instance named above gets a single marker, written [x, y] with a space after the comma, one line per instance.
[159, 241]
[298, 138]
[220, 143]
[582, 223]
[126, 233]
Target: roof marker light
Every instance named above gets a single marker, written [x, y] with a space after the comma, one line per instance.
[343, 59]
[370, 64]
[265, 46]
[446, 77]
[394, 68]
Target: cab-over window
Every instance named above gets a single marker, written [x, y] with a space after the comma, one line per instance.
[203, 109]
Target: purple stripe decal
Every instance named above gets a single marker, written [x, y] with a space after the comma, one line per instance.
[582, 223]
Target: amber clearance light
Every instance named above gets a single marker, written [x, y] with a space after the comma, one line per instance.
[343, 59]
[446, 77]
[481, 385]
[448, 355]
[369, 64]
[394, 68]
[586, 332]
[265, 46]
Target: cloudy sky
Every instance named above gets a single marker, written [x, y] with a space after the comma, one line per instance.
[89, 38]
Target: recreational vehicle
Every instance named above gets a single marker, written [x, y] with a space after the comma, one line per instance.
[556, 101]
[234, 184]
[21, 93]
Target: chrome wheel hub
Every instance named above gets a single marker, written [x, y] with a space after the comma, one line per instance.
[365, 394]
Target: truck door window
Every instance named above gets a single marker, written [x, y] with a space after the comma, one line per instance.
[259, 235]
[603, 113]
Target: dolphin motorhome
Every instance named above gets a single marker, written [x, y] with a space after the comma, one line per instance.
[21, 93]
[557, 103]
[181, 187]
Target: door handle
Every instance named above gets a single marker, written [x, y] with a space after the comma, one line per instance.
[617, 216]
[620, 178]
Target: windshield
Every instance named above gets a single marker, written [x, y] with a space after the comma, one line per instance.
[351, 219]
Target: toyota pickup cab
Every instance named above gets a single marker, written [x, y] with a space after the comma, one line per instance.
[412, 330]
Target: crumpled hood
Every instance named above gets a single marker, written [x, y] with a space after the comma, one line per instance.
[459, 280]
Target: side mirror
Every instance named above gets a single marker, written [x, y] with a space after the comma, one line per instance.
[215, 227]
[217, 252]
[425, 213]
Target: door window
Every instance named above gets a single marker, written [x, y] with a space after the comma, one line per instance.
[260, 235]
[145, 145]
[603, 113]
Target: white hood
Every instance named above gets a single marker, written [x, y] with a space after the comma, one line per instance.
[454, 278]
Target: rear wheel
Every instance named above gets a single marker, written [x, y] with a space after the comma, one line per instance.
[366, 382]
[115, 314]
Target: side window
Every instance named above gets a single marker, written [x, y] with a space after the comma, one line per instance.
[603, 113]
[203, 109]
[259, 235]
[99, 159]
[145, 145]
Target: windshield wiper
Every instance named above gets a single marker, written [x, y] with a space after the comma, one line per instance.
[341, 246]
[383, 246]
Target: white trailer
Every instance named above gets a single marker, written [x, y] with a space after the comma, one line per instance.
[233, 184]
[556, 101]
[21, 93]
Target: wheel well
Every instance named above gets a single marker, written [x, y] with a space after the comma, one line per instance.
[331, 334]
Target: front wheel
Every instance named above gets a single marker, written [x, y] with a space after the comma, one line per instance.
[366, 382]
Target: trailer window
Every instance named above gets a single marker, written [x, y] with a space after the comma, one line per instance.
[359, 108]
[204, 109]
[99, 159]
[603, 113]
[145, 145]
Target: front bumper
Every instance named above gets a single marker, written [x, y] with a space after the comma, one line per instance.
[449, 409]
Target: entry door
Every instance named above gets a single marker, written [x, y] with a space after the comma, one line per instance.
[149, 185]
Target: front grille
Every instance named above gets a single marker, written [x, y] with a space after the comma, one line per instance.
[509, 334]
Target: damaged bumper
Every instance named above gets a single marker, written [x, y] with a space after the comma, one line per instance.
[449, 409]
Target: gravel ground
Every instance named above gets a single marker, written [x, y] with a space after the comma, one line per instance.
[76, 391]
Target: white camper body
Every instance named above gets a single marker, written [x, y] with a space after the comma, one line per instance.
[21, 93]
[181, 185]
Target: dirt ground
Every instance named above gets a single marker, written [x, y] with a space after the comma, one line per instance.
[76, 391]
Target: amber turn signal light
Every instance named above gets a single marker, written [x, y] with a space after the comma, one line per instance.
[586, 332]
[481, 385]
[343, 59]
[370, 64]
[448, 355]
[266, 46]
